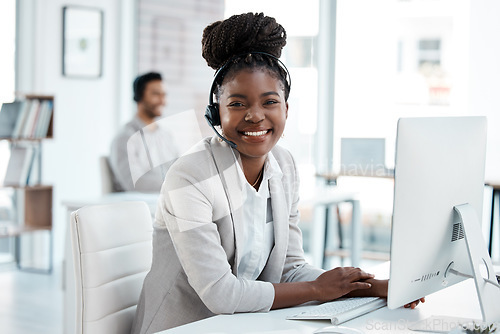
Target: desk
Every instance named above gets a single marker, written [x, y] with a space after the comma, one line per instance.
[459, 300]
[322, 200]
[68, 274]
[331, 178]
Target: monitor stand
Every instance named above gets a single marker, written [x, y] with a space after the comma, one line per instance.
[483, 273]
[487, 288]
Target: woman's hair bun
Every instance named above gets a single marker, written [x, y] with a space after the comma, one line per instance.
[239, 34]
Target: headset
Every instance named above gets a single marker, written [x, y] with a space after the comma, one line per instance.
[212, 114]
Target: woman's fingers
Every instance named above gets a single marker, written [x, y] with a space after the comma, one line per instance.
[414, 304]
[357, 274]
[340, 281]
[360, 285]
[411, 305]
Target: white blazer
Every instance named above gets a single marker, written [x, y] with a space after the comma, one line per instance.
[197, 232]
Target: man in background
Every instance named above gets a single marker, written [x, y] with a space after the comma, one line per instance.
[142, 151]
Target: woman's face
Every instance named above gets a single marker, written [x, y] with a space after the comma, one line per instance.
[253, 112]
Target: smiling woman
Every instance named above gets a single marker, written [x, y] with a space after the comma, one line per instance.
[226, 234]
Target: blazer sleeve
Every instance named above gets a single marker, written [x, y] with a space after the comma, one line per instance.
[296, 268]
[187, 208]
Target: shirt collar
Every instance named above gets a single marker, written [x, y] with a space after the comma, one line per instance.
[271, 168]
[138, 122]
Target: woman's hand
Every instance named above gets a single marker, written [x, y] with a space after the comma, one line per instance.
[328, 286]
[340, 281]
[414, 304]
[378, 289]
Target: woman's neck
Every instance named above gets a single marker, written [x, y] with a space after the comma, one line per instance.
[253, 170]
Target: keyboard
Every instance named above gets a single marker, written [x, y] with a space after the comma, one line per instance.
[342, 309]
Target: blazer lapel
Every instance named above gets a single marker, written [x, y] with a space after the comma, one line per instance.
[231, 181]
[273, 270]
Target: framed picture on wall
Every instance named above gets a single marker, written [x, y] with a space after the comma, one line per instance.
[82, 42]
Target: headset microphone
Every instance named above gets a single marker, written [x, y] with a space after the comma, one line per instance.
[230, 143]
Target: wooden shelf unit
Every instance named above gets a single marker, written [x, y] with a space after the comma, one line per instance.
[34, 212]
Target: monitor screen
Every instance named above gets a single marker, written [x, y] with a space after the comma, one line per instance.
[439, 164]
[362, 156]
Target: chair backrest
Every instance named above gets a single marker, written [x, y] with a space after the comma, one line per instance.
[112, 252]
[106, 175]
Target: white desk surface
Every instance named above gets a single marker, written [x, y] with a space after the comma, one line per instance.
[459, 300]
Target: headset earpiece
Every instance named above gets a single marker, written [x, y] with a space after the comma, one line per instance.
[213, 118]
[212, 114]
[137, 96]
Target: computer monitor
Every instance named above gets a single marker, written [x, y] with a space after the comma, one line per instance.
[438, 202]
[362, 156]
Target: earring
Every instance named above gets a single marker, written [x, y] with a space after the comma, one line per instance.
[283, 134]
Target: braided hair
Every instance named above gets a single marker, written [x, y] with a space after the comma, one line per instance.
[233, 40]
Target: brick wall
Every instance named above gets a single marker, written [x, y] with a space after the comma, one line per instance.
[169, 41]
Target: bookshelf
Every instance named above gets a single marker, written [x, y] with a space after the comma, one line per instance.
[25, 123]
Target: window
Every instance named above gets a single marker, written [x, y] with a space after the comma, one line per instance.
[8, 43]
[393, 59]
[429, 52]
[7, 89]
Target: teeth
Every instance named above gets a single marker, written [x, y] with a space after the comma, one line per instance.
[255, 134]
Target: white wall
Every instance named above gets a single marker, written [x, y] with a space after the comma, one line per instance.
[484, 83]
[87, 112]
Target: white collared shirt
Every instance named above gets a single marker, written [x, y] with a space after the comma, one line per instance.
[141, 155]
[258, 226]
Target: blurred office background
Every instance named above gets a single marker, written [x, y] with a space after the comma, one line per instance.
[356, 66]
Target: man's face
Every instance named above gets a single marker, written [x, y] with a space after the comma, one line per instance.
[154, 99]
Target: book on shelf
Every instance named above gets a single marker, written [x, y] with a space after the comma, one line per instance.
[8, 118]
[21, 118]
[43, 123]
[19, 167]
[31, 119]
[26, 119]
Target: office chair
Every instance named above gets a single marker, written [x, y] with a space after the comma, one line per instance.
[106, 176]
[112, 252]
